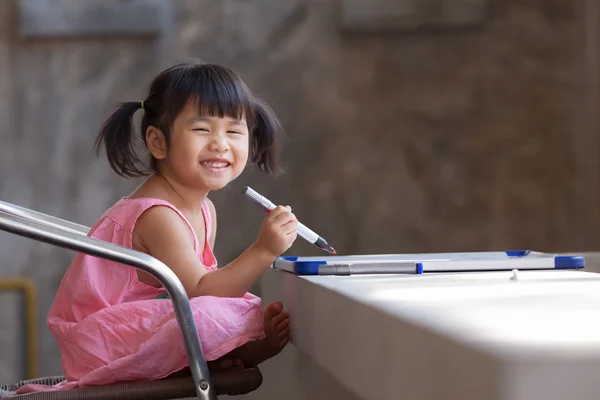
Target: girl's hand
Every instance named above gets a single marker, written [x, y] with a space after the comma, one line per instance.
[278, 231]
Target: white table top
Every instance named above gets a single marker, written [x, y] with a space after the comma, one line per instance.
[475, 335]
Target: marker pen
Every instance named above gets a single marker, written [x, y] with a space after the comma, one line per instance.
[302, 230]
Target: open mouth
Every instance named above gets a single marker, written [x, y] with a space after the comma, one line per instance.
[217, 165]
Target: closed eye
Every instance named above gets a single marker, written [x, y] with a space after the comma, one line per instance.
[236, 132]
[200, 129]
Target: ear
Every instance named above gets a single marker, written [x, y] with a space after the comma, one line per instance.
[156, 142]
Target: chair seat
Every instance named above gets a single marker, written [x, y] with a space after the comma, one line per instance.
[232, 383]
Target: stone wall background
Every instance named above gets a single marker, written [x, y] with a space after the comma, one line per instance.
[420, 126]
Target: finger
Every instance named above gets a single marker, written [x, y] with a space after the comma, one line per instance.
[290, 219]
[281, 215]
[289, 227]
[292, 236]
[274, 213]
[284, 218]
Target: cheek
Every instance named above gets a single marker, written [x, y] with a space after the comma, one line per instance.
[241, 151]
[184, 152]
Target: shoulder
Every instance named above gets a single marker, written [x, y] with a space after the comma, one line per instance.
[158, 214]
[161, 224]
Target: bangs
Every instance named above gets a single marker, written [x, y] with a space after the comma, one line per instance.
[215, 90]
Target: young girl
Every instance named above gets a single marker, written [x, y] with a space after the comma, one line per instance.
[201, 125]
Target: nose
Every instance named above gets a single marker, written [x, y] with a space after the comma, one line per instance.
[219, 144]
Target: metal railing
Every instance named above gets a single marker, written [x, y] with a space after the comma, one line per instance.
[45, 219]
[68, 235]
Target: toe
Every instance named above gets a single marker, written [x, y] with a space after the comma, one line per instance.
[273, 310]
[284, 333]
[282, 316]
[225, 364]
[282, 325]
[239, 365]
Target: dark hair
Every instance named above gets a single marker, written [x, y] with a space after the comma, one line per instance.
[216, 90]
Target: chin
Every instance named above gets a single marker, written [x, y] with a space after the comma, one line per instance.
[213, 187]
[211, 182]
[216, 184]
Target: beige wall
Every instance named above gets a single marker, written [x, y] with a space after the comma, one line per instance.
[471, 138]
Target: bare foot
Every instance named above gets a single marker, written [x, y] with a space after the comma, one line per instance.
[277, 328]
[225, 363]
[276, 325]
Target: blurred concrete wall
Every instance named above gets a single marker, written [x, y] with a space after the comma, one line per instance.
[417, 126]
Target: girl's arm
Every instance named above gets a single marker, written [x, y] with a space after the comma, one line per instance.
[165, 236]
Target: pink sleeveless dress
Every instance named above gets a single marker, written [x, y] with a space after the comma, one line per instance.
[111, 327]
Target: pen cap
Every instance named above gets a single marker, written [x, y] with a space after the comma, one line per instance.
[257, 198]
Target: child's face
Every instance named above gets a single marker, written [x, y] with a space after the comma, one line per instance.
[207, 152]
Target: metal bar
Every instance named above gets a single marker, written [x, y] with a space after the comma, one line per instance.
[42, 218]
[76, 241]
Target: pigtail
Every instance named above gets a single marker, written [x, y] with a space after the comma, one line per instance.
[264, 140]
[118, 137]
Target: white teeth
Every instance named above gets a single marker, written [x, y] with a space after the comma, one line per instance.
[215, 164]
